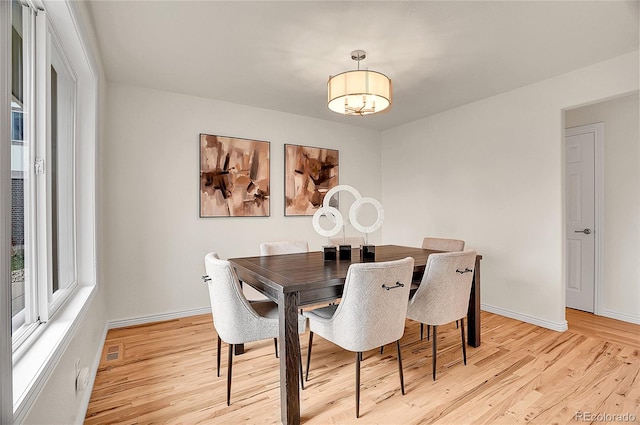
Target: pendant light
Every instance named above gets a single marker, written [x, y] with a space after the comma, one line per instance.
[359, 92]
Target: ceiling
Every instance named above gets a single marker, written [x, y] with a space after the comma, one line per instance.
[278, 55]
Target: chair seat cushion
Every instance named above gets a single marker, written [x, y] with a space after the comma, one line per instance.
[269, 309]
[322, 312]
[266, 308]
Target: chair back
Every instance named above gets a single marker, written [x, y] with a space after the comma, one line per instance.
[233, 317]
[354, 241]
[441, 244]
[373, 307]
[443, 294]
[283, 247]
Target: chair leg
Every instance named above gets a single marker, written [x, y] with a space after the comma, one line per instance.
[464, 345]
[358, 354]
[400, 367]
[275, 344]
[218, 355]
[428, 331]
[300, 365]
[457, 324]
[433, 360]
[306, 376]
[421, 331]
[381, 349]
[229, 374]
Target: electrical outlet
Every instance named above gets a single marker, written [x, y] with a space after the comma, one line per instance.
[82, 381]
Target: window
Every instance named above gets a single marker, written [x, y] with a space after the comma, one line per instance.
[43, 219]
[49, 134]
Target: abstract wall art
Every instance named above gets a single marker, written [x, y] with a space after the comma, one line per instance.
[309, 173]
[234, 177]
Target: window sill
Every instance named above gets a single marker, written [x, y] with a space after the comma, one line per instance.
[36, 359]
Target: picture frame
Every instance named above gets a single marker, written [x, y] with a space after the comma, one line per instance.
[309, 173]
[234, 177]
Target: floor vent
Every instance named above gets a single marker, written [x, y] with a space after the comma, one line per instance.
[113, 353]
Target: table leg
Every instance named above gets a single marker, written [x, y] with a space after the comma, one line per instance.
[289, 358]
[473, 314]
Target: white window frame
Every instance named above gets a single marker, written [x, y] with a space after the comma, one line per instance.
[31, 299]
[41, 301]
[25, 371]
[48, 301]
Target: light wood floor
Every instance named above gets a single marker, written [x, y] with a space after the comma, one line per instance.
[522, 373]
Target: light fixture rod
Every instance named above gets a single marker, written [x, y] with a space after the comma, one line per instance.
[358, 55]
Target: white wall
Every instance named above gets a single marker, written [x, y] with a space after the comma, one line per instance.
[491, 173]
[154, 241]
[621, 286]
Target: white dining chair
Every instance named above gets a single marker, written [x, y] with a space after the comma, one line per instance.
[283, 247]
[443, 244]
[437, 244]
[371, 313]
[443, 294]
[235, 319]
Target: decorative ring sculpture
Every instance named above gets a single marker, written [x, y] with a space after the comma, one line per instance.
[340, 188]
[335, 216]
[353, 215]
[329, 212]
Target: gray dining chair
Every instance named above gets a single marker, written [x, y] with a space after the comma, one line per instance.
[236, 320]
[437, 244]
[283, 247]
[371, 313]
[443, 295]
[442, 244]
[354, 241]
[206, 278]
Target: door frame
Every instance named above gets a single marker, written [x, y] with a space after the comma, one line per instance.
[597, 129]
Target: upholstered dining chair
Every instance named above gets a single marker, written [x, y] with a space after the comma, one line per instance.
[442, 244]
[236, 320]
[443, 294]
[437, 244]
[371, 314]
[354, 241]
[283, 247]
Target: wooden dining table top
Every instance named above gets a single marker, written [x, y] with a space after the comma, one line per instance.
[308, 270]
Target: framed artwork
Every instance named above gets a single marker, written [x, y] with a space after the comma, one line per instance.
[309, 173]
[234, 177]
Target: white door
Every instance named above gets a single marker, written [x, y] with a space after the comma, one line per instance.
[580, 146]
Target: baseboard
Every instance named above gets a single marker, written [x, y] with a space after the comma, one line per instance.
[554, 326]
[114, 324]
[631, 318]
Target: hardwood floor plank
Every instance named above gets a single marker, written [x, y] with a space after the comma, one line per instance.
[165, 373]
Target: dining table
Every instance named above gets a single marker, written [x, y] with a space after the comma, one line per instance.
[297, 280]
